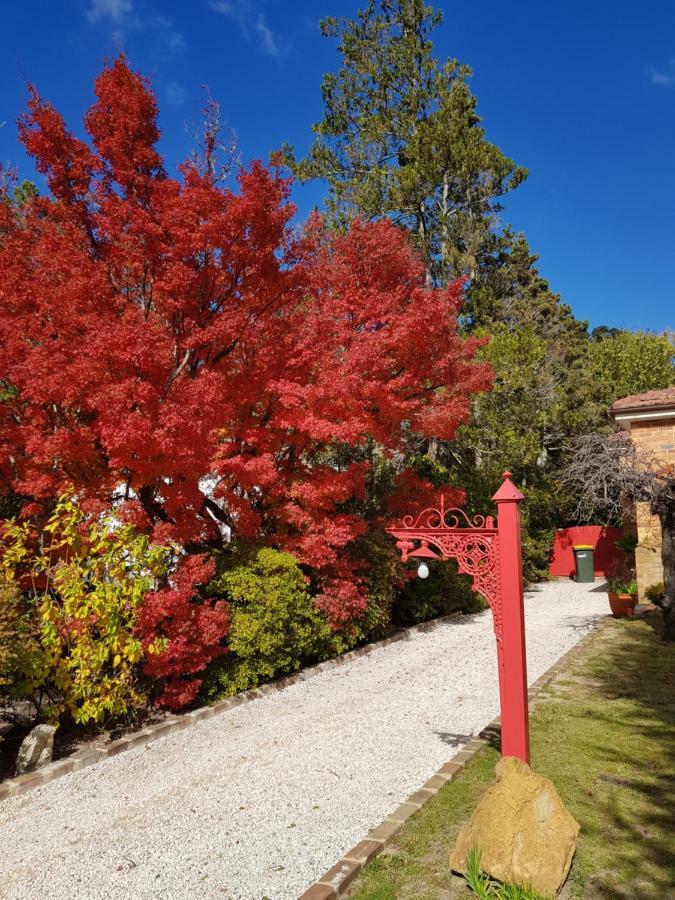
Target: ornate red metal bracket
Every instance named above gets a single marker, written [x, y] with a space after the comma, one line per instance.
[490, 554]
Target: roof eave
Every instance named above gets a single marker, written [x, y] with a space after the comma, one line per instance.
[641, 412]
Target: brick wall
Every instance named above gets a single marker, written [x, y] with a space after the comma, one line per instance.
[657, 437]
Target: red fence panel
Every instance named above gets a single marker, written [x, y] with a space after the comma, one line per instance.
[600, 537]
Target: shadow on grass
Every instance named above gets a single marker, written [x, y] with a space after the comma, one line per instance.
[604, 732]
[630, 743]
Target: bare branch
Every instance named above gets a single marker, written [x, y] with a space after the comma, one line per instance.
[607, 469]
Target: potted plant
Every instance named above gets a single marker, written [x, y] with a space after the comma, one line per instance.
[622, 592]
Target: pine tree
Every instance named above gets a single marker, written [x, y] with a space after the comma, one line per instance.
[401, 138]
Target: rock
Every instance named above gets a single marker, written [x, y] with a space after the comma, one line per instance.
[522, 829]
[36, 749]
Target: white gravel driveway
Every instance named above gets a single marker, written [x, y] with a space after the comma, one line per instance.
[263, 799]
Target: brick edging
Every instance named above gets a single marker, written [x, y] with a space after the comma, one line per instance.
[14, 787]
[337, 879]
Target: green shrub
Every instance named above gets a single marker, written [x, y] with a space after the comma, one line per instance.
[655, 593]
[626, 543]
[536, 550]
[274, 626]
[443, 592]
[20, 652]
[545, 508]
[384, 574]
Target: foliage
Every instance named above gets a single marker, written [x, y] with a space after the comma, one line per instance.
[484, 887]
[520, 426]
[551, 384]
[543, 395]
[23, 193]
[545, 506]
[401, 138]
[655, 592]
[384, 578]
[443, 592]
[274, 626]
[177, 346]
[84, 578]
[622, 584]
[19, 647]
[182, 632]
[536, 546]
[510, 290]
[538, 350]
[626, 543]
[627, 363]
[524, 401]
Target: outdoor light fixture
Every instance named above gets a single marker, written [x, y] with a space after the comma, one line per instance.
[423, 570]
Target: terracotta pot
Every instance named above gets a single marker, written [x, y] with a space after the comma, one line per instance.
[622, 605]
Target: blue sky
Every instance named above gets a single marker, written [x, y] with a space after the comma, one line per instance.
[582, 93]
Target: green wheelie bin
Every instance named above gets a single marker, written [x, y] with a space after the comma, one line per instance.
[583, 560]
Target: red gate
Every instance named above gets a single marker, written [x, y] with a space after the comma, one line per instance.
[491, 555]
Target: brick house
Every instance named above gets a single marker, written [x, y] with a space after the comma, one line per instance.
[650, 418]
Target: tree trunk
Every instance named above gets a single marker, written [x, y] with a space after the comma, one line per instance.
[422, 232]
[667, 518]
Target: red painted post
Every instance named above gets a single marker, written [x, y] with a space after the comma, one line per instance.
[513, 678]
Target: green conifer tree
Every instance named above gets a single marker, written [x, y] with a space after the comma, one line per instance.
[401, 137]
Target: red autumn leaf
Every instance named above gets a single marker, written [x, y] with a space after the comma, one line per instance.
[160, 331]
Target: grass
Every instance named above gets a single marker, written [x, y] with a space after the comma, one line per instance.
[486, 888]
[604, 732]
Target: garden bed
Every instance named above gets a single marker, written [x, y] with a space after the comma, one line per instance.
[604, 732]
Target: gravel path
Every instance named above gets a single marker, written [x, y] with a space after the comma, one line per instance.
[262, 800]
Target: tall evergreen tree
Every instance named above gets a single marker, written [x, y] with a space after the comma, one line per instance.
[401, 138]
[512, 302]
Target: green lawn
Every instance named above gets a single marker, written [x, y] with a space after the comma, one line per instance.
[604, 732]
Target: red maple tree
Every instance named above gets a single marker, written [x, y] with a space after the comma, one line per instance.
[182, 348]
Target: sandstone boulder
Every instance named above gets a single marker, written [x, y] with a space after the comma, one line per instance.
[522, 829]
[36, 749]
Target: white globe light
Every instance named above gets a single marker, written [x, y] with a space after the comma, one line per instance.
[423, 570]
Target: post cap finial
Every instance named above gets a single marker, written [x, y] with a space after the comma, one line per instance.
[507, 491]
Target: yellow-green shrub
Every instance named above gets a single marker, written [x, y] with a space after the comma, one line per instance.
[274, 626]
[85, 579]
[20, 651]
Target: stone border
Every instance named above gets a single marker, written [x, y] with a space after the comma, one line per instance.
[14, 787]
[336, 880]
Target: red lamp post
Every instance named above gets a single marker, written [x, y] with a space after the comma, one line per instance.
[491, 555]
